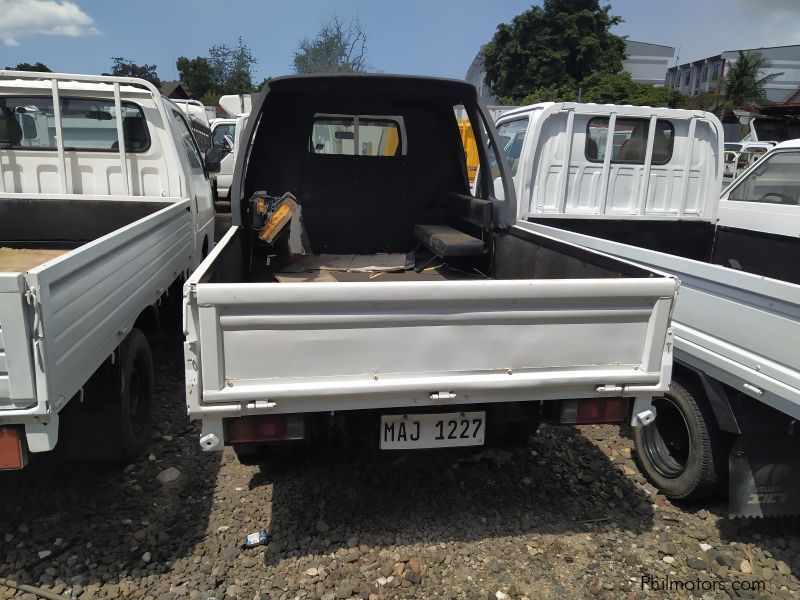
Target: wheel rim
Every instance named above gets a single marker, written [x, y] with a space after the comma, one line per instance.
[667, 442]
[137, 398]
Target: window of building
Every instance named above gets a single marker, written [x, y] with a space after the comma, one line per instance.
[354, 135]
[704, 74]
[629, 143]
[715, 71]
[86, 124]
[688, 79]
[773, 181]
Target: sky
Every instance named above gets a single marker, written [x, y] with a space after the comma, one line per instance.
[425, 37]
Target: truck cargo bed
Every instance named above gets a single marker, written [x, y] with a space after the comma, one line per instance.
[13, 260]
[554, 321]
[74, 275]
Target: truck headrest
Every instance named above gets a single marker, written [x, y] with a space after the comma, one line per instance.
[10, 130]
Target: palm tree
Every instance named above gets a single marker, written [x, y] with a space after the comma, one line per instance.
[745, 81]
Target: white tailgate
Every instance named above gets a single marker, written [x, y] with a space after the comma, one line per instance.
[304, 346]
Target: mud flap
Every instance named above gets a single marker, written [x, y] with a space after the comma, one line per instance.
[764, 476]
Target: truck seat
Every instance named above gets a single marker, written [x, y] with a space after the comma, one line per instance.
[447, 242]
[10, 130]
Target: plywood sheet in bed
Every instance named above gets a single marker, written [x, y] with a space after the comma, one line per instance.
[19, 260]
[358, 263]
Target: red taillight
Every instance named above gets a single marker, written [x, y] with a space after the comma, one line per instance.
[594, 410]
[265, 428]
[13, 454]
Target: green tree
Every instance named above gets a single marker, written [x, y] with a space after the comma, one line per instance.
[745, 82]
[338, 47]
[238, 78]
[226, 70]
[558, 92]
[619, 88]
[195, 75]
[563, 41]
[36, 67]
[604, 88]
[123, 67]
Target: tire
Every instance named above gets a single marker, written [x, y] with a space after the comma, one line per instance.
[683, 453]
[132, 398]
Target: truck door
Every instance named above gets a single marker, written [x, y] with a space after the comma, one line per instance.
[199, 187]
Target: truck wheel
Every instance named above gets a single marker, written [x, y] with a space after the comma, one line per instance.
[683, 452]
[133, 396]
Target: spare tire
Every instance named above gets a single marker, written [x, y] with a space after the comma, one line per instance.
[683, 452]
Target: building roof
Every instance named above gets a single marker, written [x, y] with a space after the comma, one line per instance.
[764, 48]
[174, 89]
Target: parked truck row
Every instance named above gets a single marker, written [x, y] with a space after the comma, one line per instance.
[105, 208]
[642, 184]
[369, 288]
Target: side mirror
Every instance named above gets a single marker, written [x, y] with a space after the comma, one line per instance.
[213, 160]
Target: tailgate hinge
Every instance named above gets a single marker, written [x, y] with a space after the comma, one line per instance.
[32, 298]
[609, 389]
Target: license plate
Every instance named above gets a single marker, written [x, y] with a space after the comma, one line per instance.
[399, 432]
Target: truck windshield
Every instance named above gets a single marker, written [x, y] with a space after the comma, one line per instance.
[87, 124]
[774, 181]
[512, 134]
[220, 131]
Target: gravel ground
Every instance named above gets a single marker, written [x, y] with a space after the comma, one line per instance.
[566, 516]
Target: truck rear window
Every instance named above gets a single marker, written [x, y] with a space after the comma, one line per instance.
[629, 142]
[356, 135]
[87, 124]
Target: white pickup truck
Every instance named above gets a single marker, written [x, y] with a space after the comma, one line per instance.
[93, 232]
[363, 290]
[649, 193]
[224, 133]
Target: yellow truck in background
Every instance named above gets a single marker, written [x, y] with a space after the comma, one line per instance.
[470, 147]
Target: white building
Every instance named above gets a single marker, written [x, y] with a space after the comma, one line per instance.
[647, 63]
[703, 75]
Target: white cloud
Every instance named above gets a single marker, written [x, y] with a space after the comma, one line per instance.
[22, 18]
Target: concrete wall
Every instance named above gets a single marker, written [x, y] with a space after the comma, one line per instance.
[647, 63]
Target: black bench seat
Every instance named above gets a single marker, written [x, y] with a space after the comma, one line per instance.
[447, 242]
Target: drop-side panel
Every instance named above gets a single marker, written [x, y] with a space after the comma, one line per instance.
[744, 326]
[16, 365]
[89, 298]
[372, 344]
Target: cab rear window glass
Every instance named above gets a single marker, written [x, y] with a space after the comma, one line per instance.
[29, 123]
[354, 135]
[629, 142]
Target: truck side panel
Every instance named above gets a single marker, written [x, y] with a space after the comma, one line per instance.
[743, 326]
[16, 364]
[88, 299]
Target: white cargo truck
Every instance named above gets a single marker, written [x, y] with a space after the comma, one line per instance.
[224, 134]
[364, 292]
[643, 184]
[93, 232]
